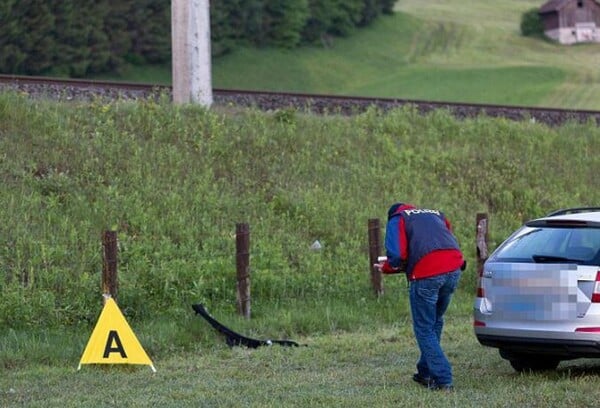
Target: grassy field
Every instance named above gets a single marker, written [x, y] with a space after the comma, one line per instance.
[452, 50]
[493, 40]
[174, 181]
[357, 369]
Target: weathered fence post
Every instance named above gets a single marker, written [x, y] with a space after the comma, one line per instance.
[242, 241]
[110, 284]
[481, 241]
[374, 251]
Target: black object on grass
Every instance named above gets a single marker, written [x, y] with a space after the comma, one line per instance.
[235, 339]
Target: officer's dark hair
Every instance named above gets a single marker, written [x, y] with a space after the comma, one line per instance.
[393, 209]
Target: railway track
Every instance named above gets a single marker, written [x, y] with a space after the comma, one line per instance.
[77, 89]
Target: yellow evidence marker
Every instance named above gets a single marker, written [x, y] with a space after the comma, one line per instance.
[113, 341]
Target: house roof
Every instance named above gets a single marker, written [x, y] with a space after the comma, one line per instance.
[554, 5]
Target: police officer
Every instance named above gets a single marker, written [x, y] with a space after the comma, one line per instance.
[420, 243]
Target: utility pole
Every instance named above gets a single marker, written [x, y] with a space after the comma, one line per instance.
[191, 58]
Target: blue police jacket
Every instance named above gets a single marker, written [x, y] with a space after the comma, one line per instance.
[412, 233]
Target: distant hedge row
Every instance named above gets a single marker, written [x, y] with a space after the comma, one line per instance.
[288, 23]
[81, 37]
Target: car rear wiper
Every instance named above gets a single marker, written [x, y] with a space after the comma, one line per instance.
[552, 258]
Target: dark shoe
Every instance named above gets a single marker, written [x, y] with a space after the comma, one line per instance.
[424, 381]
[440, 387]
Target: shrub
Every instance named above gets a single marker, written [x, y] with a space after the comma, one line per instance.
[531, 24]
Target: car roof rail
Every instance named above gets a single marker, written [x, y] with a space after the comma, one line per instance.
[573, 210]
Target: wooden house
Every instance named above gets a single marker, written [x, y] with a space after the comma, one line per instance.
[571, 21]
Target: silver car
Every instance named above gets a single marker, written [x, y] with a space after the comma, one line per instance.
[538, 295]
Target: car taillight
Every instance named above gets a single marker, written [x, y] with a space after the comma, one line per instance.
[481, 292]
[596, 292]
[588, 329]
[478, 323]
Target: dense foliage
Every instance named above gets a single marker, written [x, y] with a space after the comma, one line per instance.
[531, 23]
[174, 181]
[83, 37]
[288, 23]
[75, 38]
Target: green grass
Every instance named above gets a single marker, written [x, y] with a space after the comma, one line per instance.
[340, 369]
[174, 181]
[440, 84]
[454, 50]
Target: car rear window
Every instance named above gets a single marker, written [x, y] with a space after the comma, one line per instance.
[579, 245]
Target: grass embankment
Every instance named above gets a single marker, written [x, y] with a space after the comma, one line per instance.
[455, 50]
[174, 181]
[358, 369]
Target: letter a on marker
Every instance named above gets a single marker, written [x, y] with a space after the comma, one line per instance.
[113, 341]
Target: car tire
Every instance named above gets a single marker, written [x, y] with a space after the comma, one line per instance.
[522, 362]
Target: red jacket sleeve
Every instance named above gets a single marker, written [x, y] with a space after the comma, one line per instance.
[389, 269]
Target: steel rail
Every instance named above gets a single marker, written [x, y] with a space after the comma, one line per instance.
[319, 103]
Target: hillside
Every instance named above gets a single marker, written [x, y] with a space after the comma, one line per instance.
[468, 51]
[174, 181]
[457, 51]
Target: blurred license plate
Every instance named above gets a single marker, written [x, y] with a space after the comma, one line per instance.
[534, 291]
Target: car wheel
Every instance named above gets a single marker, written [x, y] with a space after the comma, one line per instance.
[527, 362]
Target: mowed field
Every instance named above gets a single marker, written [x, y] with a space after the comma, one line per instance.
[451, 50]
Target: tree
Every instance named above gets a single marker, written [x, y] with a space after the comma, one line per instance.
[98, 39]
[387, 6]
[81, 46]
[284, 21]
[12, 52]
[346, 15]
[38, 22]
[116, 27]
[150, 31]
[369, 12]
[223, 31]
[252, 20]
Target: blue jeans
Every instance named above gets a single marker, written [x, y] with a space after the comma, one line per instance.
[429, 299]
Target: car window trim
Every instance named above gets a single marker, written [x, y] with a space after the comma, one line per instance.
[563, 224]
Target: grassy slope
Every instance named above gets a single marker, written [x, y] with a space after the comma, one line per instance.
[174, 181]
[453, 50]
[493, 40]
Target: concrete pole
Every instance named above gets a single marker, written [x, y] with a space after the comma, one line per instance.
[190, 35]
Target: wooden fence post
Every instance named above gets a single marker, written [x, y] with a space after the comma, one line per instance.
[374, 251]
[481, 241]
[110, 284]
[243, 268]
